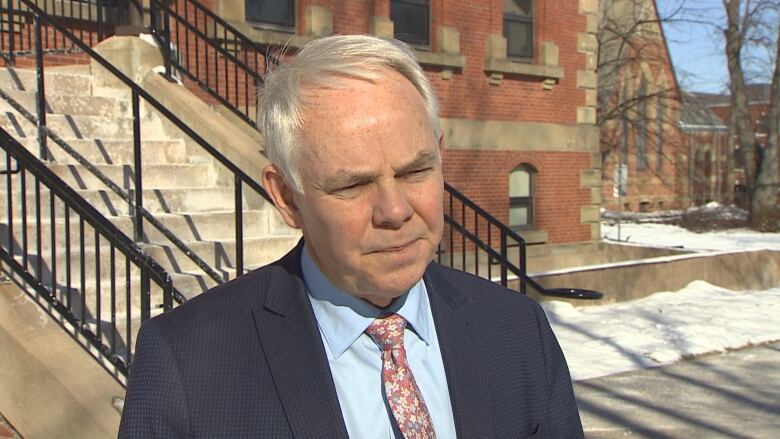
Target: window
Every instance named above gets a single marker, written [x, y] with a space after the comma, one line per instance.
[519, 28]
[521, 197]
[411, 21]
[659, 130]
[274, 12]
[640, 138]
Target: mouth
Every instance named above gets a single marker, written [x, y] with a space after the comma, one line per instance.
[396, 248]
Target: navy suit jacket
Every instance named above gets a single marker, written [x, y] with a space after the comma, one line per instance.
[246, 360]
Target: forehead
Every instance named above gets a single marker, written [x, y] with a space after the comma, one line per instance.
[357, 117]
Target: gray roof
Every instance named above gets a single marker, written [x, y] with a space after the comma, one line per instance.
[756, 93]
[695, 116]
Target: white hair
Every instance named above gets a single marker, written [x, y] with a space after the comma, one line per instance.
[321, 63]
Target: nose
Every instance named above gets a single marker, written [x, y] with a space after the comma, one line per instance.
[392, 208]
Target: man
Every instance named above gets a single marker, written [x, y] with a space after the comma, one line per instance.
[355, 333]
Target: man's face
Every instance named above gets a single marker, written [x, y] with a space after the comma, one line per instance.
[371, 208]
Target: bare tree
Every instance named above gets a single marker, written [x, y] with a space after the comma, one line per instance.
[637, 113]
[746, 24]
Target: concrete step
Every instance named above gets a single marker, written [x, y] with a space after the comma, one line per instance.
[206, 227]
[81, 127]
[54, 81]
[179, 200]
[82, 105]
[221, 255]
[153, 175]
[115, 152]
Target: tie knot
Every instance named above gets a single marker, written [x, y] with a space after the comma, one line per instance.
[388, 331]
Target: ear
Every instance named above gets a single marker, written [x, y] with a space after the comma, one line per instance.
[441, 147]
[282, 195]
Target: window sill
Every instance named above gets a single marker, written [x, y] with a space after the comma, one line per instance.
[440, 59]
[268, 37]
[532, 236]
[509, 67]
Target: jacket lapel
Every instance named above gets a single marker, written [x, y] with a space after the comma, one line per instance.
[461, 351]
[289, 336]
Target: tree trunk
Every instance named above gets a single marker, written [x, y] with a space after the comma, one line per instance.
[727, 184]
[743, 126]
[765, 213]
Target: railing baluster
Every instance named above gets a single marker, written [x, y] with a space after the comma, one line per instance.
[39, 251]
[99, 6]
[97, 286]
[53, 239]
[10, 198]
[145, 295]
[112, 274]
[463, 236]
[40, 94]
[503, 256]
[68, 289]
[12, 33]
[476, 248]
[138, 176]
[82, 261]
[128, 311]
[239, 203]
[452, 237]
[23, 210]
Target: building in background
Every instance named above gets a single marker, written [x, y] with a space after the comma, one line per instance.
[517, 85]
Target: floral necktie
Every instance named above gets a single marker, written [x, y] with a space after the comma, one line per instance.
[406, 401]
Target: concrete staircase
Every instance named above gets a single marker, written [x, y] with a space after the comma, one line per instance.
[184, 188]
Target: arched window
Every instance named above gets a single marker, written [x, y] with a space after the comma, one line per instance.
[640, 138]
[521, 197]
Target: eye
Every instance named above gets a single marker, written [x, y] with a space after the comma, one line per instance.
[417, 173]
[351, 190]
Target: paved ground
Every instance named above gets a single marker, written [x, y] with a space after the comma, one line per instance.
[730, 395]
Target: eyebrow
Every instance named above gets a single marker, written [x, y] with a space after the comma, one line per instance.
[347, 177]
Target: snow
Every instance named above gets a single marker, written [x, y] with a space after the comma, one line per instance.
[667, 327]
[665, 235]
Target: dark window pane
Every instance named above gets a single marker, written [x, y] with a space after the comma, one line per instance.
[411, 22]
[519, 37]
[278, 12]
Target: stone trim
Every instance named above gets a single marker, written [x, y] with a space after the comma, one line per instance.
[587, 79]
[497, 64]
[532, 236]
[319, 23]
[519, 136]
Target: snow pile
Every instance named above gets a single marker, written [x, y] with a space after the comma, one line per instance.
[662, 328]
[711, 216]
[664, 235]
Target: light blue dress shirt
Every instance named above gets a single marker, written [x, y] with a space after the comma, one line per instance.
[356, 361]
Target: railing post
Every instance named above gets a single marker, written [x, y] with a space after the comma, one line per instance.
[521, 264]
[167, 44]
[239, 228]
[137, 168]
[40, 95]
[146, 304]
[11, 32]
[504, 279]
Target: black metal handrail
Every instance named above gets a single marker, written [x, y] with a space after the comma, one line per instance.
[53, 278]
[241, 179]
[212, 53]
[94, 22]
[497, 242]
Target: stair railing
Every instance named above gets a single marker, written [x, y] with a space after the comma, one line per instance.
[471, 233]
[48, 247]
[210, 52]
[92, 21]
[136, 200]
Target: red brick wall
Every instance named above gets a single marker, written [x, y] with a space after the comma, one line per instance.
[483, 176]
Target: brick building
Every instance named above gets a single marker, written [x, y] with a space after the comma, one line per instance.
[516, 83]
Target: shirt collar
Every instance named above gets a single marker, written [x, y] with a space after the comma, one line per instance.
[343, 318]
